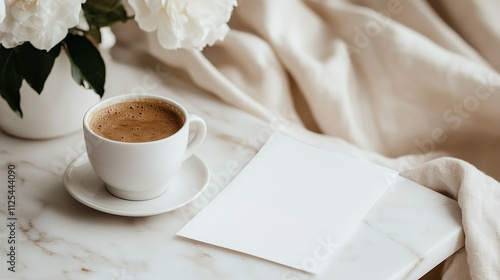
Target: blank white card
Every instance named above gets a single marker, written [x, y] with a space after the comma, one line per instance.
[293, 204]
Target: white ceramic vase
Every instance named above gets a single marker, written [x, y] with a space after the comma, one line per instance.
[58, 110]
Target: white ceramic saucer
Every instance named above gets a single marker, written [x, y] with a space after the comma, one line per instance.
[84, 185]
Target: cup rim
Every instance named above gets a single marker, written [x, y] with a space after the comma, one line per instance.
[131, 97]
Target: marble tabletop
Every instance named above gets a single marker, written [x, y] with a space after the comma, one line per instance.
[408, 232]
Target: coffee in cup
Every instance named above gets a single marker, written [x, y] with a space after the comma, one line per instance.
[143, 120]
[137, 143]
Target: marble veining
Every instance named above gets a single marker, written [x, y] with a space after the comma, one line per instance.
[410, 230]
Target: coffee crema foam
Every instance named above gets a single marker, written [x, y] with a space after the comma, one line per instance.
[138, 121]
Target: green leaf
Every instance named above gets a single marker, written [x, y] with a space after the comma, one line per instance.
[100, 13]
[11, 79]
[35, 65]
[87, 66]
[95, 34]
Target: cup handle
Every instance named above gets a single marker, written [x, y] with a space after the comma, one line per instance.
[199, 134]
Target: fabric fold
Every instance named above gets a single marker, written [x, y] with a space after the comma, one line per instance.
[398, 82]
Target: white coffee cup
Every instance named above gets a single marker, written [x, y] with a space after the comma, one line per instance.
[141, 171]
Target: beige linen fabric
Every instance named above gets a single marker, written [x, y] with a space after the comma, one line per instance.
[401, 83]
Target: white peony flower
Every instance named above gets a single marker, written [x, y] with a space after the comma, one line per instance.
[2, 10]
[184, 23]
[43, 23]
